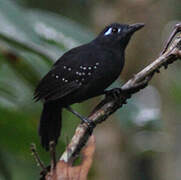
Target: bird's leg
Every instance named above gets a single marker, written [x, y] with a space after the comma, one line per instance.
[90, 123]
[77, 114]
[177, 29]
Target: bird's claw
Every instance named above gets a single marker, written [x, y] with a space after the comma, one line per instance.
[113, 93]
[116, 92]
[89, 123]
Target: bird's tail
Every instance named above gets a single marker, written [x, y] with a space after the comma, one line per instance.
[50, 124]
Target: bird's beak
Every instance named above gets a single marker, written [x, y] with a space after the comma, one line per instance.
[134, 27]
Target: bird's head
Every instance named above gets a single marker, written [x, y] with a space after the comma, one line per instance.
[117, 35]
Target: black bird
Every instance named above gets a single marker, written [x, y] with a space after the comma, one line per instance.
[81, 73]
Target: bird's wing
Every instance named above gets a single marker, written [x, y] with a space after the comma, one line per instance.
[72, 71]
[59, 81]
[53, 91]
[63, 78]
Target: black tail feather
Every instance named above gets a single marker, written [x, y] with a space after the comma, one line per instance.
[50, 124]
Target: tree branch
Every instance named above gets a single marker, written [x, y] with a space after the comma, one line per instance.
[108, 106]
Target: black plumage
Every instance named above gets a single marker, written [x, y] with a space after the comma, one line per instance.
[81, 73]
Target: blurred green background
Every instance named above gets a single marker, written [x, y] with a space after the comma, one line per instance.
[141, 141]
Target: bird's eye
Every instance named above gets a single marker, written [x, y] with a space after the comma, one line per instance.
[114, 30]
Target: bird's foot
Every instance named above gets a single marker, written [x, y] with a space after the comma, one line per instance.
[116, 92]
[113, 93]
[89, 123]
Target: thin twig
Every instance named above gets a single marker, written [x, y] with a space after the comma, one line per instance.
[108, 106]
[52, 154]
[37, 158]
[176, 29]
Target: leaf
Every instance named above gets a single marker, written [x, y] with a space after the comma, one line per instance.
[43, 33]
